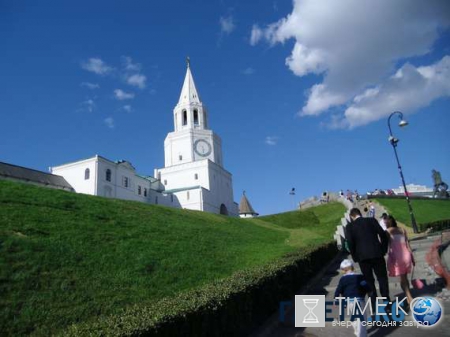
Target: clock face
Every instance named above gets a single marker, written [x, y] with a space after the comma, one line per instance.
[202, 147]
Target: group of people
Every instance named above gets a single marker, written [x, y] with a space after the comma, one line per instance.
[349, 195]
[368, 243]
[370, 210]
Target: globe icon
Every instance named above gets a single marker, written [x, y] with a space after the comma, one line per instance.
[426, 311]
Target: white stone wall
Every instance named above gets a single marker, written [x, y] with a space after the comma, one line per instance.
[116, 187]
[190, 199]
[246, 216]
[74, 173]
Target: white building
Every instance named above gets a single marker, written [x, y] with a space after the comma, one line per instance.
[193, 176]
[414, 189]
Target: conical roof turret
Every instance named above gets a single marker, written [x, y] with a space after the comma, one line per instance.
[189, 92]
[245, 207]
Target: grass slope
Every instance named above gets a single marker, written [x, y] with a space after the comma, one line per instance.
[67, 258]
[312, 226]
[424, 210]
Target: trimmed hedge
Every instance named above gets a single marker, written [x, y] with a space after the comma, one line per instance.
[231, 307]
[435, 226]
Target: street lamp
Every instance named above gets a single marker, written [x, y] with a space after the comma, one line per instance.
[292, 193]
[394, 142]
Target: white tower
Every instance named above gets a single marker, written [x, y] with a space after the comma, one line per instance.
[191, 139]
[193, 157]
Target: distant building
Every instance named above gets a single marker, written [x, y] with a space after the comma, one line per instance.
[27, 175]
[418, 190]
[113, 179]
[193, 176]
[245, 208]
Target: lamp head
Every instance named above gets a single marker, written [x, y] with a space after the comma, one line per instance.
[393, 140]
[403, 123]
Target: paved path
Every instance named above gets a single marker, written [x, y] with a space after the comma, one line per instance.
[326, 284]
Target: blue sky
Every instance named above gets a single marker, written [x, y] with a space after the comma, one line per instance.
[298, 91]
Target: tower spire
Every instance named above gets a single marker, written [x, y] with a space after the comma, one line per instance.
[189, 92]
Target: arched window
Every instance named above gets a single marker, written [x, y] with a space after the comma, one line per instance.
[184, 117]
[108, 175]
[171, 197]
[187, 195]
[87, 174]
[223, 209]
[195, 117]
[196, 176]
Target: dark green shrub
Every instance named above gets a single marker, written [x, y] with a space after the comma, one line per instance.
[435, 226]
[231, 307]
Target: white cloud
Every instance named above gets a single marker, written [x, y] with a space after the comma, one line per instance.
[122, 95]
[88, 105]
[271, 140]
[109, 122]
[90, 85]
[137, 80]
[249, 71]
[256, 35]
[127, 108]
[96, 65]
[355, 45]
[129, 65]
[227, 24]
[131, 73]
[410, 89]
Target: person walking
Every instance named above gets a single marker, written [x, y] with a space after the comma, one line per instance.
[371, 210]
[382, 221]
[368, 244]
[354, 288]
[400, 256]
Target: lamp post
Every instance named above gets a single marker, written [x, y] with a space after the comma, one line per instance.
[292, 193]
[394, 142]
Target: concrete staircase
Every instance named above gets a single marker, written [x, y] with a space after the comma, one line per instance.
[339, 235]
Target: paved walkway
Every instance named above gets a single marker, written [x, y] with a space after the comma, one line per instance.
[326, 283]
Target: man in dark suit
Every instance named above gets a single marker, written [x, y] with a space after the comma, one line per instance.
[368, 244]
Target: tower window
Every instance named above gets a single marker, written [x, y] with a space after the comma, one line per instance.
[165, 182]
[108, 175]
[87, 174]
[184, 117]
[195, 117]
[180, 157]
[196, 176]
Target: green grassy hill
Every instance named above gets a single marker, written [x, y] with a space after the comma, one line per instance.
[424, 210]
[68, 258]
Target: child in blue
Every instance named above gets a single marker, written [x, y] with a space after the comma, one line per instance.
[354, 288]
